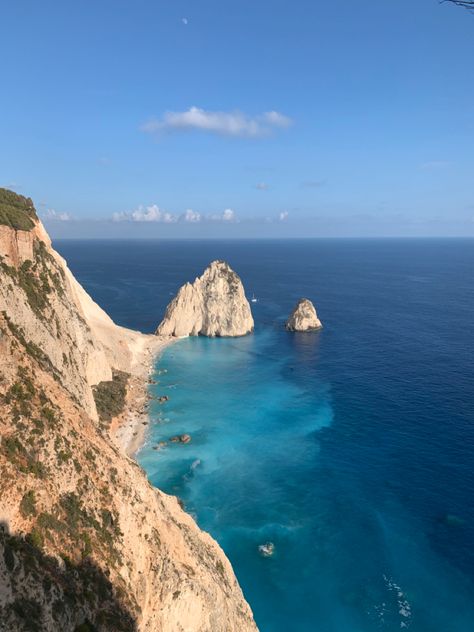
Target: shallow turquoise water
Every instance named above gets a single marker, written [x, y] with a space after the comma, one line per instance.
[259, 414]
[351, 449]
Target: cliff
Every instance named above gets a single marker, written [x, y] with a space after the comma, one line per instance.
[214, 305]
[303, 317]
[79, 342]
[86, 543]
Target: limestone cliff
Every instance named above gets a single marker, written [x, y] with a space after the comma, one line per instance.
[77, 339]
[214, 305]
[86, 543]
[303, 317]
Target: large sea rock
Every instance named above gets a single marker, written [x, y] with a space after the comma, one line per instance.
[303, 317]
[214, 305]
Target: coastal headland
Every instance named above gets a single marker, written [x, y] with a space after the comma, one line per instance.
[86, 542]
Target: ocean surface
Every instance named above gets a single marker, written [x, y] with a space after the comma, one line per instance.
[351, 449]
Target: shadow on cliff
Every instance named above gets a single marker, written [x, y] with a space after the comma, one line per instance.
[41, 593]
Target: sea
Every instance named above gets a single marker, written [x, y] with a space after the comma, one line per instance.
[350, 449]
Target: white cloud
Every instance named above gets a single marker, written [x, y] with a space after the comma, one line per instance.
[146, 214]
[51, 214]
[222, 123]
[277, 119]
[262, 186]
[192, 216]
[184, 21]
[283, 216]
[228, 215]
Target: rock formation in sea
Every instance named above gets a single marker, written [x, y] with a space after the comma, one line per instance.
[303, 317]
[214, 305]
[85, 541]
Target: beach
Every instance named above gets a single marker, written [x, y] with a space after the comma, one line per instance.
[129, 428]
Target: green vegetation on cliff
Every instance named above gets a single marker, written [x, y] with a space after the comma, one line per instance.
[16, 211]
[39, 278]
[110, 396]
[70, 591]
[82, 526]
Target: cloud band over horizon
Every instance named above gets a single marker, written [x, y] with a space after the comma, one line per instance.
[235, 123]
[155, 214]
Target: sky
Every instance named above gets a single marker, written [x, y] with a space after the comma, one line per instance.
[243, 118]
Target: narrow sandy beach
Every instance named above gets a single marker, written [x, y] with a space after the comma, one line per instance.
[130, 427]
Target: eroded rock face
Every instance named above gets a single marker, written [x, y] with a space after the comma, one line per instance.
[214, 305]
[303, 317]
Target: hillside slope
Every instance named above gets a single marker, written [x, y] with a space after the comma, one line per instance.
[86, 543]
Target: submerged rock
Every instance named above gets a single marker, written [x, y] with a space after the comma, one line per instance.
[214, 305]
[160, 445]
[303, 317]
[451, 520]
[184, 438]
[267, 549]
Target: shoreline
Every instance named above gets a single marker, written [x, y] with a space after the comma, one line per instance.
[129, 428]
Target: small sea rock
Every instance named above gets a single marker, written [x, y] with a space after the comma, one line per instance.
[184, 438]
[303, 317]
[267, 549]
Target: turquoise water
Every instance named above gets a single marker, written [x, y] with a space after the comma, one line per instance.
[350, 449]
[254, 473]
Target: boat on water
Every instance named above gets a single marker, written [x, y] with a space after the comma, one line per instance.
[253, 299]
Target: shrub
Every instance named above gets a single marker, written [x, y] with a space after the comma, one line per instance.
[110, 396]
[28, 504]
[35, 538]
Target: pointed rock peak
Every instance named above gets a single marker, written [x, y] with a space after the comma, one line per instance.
[214, 305]
[303, 317]
[218, 267]
[218, 264]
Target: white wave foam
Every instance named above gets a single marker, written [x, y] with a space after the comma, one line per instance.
[403, 605]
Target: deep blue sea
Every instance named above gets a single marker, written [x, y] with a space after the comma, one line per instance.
[351, 449]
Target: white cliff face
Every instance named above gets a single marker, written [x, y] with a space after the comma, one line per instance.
[78, 339]
[303, 317]
[214, 305]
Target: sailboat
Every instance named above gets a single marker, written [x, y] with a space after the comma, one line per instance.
[253, 299]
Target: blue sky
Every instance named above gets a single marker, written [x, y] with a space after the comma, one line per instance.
[243, 118]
